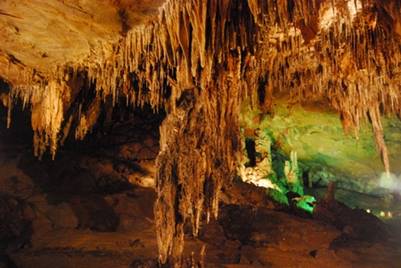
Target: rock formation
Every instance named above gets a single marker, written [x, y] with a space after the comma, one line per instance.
[197, 60]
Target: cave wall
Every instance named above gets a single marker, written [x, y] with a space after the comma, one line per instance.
[325, 152]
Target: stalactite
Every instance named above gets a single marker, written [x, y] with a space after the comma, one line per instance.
[88, 119]
[345, 63]
[190, 175]
[374, 114]
[9, 104]
[203, 122]
[47, 102]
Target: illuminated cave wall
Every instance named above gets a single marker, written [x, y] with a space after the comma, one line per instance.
[325, 152]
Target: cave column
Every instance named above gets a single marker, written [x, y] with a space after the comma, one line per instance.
[199, 147]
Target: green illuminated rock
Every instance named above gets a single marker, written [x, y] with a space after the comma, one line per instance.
[325, 153]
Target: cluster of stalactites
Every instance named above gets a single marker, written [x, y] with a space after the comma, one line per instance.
[46, 98]
[53, 104]
[200, 46]
[47, 112]
[344, 52]
[201, 54]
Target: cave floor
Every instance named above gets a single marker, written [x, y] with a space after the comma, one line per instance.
[84, 215]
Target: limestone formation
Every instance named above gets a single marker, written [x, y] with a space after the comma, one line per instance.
[198, 60]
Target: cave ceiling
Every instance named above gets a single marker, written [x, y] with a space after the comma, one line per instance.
[45, 34]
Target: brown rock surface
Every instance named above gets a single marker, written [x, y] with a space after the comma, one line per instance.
[45, 34]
